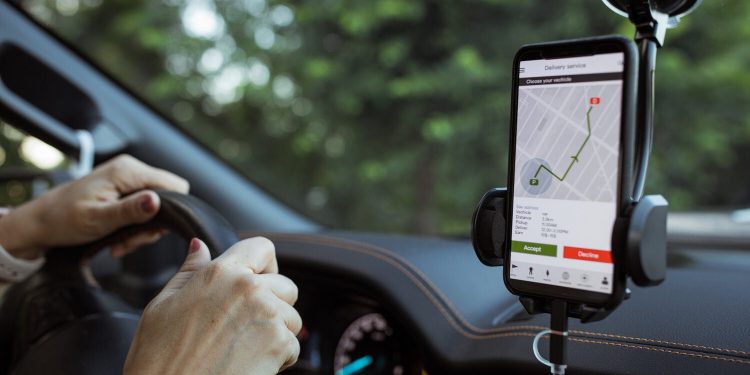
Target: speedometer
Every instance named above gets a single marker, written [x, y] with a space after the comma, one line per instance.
[369, 345]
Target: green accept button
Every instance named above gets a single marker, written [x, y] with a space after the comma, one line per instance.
[533, 248]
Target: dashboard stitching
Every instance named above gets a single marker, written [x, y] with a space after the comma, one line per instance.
[703, 356]
[588, 333]
[632, 346]
[497, 332]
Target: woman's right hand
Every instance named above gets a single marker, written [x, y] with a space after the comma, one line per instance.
[232, 315]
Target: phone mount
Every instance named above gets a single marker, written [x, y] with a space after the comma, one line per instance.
[639, 234]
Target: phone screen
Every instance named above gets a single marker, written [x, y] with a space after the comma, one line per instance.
[566, 171]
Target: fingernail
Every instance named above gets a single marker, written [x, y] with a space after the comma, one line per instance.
[195, 245]
[147, 203]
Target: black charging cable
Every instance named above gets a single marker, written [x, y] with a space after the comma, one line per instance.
[558, 342]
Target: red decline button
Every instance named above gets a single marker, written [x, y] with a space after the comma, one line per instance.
[587, 254]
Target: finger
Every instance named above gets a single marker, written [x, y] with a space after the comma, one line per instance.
[135, 208]
[280, 285]
[291, 317]
[197, 258]
[258, 254]
[293, 353]
[130, 174]
[154, 178]
[134, 242]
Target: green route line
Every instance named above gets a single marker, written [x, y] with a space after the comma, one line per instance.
[574, 158]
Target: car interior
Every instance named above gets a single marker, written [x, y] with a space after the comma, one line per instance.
[435, 307]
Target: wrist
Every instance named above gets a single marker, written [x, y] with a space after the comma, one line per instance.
[18, 233]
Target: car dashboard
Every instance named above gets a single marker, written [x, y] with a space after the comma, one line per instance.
[392, 304]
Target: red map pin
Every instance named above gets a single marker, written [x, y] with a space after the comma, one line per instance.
[594, 100]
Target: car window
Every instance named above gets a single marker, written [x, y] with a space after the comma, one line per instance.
[21, 156]
[390, 115]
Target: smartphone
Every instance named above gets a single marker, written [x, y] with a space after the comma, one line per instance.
[570, 169]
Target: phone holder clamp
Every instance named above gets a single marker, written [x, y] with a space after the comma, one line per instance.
[638, 240]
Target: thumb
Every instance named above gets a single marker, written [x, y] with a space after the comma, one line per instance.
[197, 258]
[133, 209]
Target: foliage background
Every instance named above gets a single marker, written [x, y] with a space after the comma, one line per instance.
[391, 115]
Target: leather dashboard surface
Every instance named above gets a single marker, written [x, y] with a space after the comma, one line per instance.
[695, 322]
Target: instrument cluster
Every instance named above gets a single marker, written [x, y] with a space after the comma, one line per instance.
[347, 333]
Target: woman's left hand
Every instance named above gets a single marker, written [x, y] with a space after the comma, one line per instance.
[85, 210]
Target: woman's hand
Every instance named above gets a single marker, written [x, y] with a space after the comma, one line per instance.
[233, 315]
[90, 208]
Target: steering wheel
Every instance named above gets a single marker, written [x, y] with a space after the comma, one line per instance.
[61, 322]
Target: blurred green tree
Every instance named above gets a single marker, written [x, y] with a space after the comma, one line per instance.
[392, 115]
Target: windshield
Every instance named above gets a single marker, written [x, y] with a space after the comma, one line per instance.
[393, 115]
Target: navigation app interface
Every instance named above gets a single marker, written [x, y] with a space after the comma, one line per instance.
[566, 171]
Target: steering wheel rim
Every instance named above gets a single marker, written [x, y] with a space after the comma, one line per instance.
[57, 313]
[182, 214]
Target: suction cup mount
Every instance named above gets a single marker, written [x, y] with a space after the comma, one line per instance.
[652, 18]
